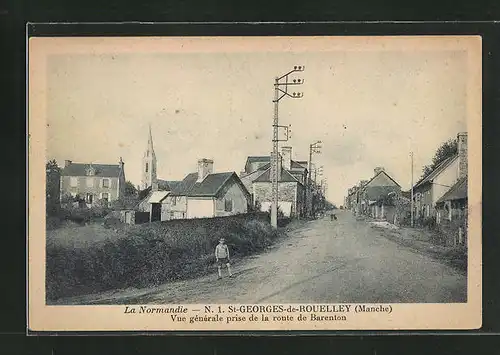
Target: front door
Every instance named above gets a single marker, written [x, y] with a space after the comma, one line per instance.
[155, 212]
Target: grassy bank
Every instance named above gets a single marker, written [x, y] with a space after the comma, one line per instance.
[424, 242]
[151, 254]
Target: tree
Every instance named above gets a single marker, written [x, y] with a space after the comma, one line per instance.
[129, 199]
[130, 189]
[446, 150]
[52, 191]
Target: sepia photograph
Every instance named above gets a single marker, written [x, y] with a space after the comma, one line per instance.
[310, 171]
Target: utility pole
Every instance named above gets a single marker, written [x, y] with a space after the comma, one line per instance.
[411, 155]
[281, 85]
[313, 148]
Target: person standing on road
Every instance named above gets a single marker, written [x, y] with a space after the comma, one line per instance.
[222, 257]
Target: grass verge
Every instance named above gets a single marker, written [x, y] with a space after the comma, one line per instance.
[150, 254]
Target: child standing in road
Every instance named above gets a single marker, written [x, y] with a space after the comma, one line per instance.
[222, 257]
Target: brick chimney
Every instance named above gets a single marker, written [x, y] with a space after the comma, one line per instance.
[121, 163]
[462, 154]
[377, 170]
[205, 167]
[286, 154]
[67, 163]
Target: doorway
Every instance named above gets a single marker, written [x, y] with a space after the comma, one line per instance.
[155, 212]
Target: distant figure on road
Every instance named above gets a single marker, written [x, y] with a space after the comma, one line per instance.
[333, 217]
[222, 257]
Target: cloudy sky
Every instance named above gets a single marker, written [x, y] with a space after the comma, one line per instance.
[369, 107]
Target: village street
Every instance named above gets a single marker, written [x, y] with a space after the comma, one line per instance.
[324, 261]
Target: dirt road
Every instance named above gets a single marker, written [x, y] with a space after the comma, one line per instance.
[323, 261]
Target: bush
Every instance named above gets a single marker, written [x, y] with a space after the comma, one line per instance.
[429, 222]
[150, 254]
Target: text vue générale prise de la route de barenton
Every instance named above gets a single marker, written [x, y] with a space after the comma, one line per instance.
[254, 313]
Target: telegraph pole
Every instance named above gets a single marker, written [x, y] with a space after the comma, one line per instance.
[313, 148]
[281, 85]
[411, 155]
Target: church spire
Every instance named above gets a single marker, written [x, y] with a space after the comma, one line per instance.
[150, 140]
[149, 163]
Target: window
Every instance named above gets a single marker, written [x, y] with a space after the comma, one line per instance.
[90, 182]
[174, 201]
[73, 181]
[89, 198]
[105, 183]
[105, 196]
[228, 205]
[147, 167]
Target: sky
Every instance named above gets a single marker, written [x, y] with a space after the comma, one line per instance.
[369, 108]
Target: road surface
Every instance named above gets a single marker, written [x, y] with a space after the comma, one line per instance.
[323, 261]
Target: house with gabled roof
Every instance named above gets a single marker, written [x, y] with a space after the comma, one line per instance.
[452, 213]
[434, 185]
[375, 194]
[292, 177]
[201, 194]
[92, 183]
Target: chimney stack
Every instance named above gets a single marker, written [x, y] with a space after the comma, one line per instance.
[286, 153]
[462, 154]
[121, 163]
[205, 167]
[67, 163]
[154, 185]
[378, 169]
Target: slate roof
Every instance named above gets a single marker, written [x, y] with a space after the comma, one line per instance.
[298, 165]
[434, 173]
[255, 159]
[167, 185]
[209, 187]
[80, 169]
[185, 185]
[456, 192]
[380, 172]
[285, 176]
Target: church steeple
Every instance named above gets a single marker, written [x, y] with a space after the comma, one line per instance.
[149, 164]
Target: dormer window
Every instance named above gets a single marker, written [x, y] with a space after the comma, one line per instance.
[90, 171]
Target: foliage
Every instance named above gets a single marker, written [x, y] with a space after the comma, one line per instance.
[130, 189]
[52, 192]
[153, 253]
[446, 150]
[79, 215]
[280, 213]
[429, 222]
[125, 203]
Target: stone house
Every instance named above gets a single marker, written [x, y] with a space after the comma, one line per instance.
[202, 194]
[374, 194]
[93, 183]
[433, 186]
[292, 177]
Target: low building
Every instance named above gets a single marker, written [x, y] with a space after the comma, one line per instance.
[451, 216]
[201, 194]
[92, 183]
[435, 184]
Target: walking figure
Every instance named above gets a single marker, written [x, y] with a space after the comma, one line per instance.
[333, 217]
[222, 257]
